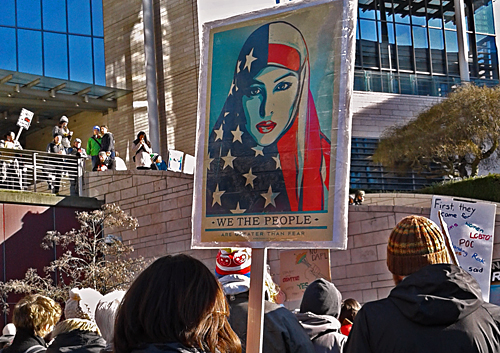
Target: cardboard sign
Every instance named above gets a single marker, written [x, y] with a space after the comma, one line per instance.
[495, 282]
[25, 118]
[189, 163]
[301, 267]
[175, 160]
[471, 226]
[273, 128]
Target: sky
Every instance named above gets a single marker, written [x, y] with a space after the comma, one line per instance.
[210, 10]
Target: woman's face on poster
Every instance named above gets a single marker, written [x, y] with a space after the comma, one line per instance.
[269, 103]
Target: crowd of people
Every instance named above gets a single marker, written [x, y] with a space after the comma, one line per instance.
[100, 149]
[178, 305]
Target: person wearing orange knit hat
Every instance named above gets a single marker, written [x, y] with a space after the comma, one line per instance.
[435, 307]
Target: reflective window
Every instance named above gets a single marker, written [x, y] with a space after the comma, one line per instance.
[79, 17]
[29, 14]
[80, 59]
[56, 65]
[30, 51]
[97, 20]
[9, 55]
[8, 13]
[55, 38]
[99, 66]
[483, 17]
[419, 38]
[54, 15]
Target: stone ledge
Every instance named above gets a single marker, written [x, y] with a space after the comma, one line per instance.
[45, 199]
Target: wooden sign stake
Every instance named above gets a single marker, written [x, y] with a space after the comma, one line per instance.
[255, 323]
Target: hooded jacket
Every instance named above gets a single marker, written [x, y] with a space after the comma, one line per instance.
[436, 309]
[324, 332]
[77, 341]
[24, 340]
[282, 332]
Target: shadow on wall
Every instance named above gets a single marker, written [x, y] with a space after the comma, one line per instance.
[22, 229]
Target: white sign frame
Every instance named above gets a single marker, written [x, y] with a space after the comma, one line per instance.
[471, 225]
[340, 167]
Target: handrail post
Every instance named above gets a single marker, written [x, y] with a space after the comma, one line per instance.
[34, 171]
[81, 163]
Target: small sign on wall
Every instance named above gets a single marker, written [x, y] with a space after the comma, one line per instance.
[175, 160]
[301, 267]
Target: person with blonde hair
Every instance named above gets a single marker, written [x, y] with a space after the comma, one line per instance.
[76, 336]
[34, 317]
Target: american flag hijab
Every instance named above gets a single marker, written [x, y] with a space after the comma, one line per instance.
[292, 172]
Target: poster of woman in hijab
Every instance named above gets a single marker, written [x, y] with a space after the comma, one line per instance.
[271, 124]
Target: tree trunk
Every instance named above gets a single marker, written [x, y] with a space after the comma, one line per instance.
[480, 157]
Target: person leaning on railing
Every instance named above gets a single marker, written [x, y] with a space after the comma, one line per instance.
[55, 170]
[78, 151]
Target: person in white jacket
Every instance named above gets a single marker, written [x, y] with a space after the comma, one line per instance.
[142, 150]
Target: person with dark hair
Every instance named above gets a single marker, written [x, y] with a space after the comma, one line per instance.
[435, 307]
[108, 145]
[34, 317]
[141, 148]
[103, 164]
[282, 331]
[319, 312]
[175, 305]
[350, 308]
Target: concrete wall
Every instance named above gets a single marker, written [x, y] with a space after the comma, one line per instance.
[373, 112]
[162, 202]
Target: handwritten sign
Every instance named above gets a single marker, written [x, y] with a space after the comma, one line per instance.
[301, 267]
[25, 118]
[471, 226]
[495, 282]
[175, 160]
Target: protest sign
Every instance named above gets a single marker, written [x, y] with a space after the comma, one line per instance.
[175, 160]
[471, 226]
[274, 128]
[25, 118]
[495, 282]
[301, 267]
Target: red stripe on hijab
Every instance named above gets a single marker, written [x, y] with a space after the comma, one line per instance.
[283, 55]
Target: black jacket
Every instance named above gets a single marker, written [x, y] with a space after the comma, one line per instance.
[53, 148]
[166, 348]
[108, 142]
[437, 309]
[324, 332]
[24, 340]
[77, 341]
[282, 331]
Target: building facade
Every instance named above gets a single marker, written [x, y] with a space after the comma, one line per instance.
[408, 54]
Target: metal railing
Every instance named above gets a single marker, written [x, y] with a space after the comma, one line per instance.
[424, 85]
[41, 172]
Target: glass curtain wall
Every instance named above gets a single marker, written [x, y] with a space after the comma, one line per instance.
[411, 45]
[56, 38]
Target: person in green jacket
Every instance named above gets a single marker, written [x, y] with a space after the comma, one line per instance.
[94, 146]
